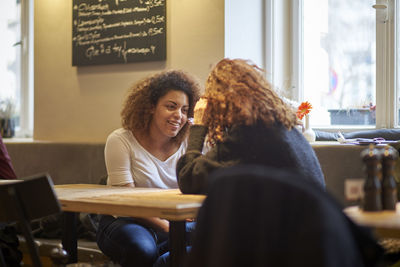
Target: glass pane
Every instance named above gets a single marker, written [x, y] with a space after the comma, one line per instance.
[10, 55]
[339, 61]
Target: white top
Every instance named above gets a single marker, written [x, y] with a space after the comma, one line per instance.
[128, 162]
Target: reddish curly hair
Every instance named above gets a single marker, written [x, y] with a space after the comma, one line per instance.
[237, 93]
[143, 96]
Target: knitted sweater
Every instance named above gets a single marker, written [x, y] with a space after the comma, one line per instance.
[273, 146]
[6, 168]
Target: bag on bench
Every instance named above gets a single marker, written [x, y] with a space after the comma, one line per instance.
[9, 245]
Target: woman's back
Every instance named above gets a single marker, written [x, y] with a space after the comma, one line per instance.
[247, 123]
[272, 146]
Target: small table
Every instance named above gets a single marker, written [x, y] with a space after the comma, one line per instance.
[384, 223]
[168, 204]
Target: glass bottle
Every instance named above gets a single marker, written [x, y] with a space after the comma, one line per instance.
[389, 187]
[372, 200]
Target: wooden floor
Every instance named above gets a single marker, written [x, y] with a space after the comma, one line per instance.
[46, 262]
[26, 261]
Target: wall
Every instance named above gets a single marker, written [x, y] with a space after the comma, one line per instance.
[261, 30]
[244, 30]
[82, 104]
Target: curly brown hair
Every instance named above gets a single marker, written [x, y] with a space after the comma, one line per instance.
[237, 93]
[143, 96]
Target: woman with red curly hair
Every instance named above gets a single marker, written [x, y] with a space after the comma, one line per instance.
[246, 123]
[144, 153]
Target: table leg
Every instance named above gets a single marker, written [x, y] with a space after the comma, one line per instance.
[69, 235]
[177, 242]
[2, 261]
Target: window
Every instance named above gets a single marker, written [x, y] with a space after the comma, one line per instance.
[343, 62]
[396, 94]
[16, 61]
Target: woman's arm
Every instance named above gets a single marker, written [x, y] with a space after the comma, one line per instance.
[118, 162]
[193, 168]
[155, 223]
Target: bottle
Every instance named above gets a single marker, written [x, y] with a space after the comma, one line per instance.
[389, 187]
[308, 133]
[372, 200]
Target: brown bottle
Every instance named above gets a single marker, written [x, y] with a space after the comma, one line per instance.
[372, 187]
[389, 187]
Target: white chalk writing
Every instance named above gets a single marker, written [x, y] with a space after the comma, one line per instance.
[99, 24]
[119, 50]
[94, 38]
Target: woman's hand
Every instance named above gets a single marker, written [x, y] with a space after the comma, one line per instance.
[199, 111]
[155, 223]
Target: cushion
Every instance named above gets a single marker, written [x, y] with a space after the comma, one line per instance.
[387, 134]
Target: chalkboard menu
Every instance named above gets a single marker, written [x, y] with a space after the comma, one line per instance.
[118, 31]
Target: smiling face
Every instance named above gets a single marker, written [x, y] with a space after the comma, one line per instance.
[170, 114]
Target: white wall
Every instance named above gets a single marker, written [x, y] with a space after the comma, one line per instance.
[82, 104]
[260, 30]
[244, 30]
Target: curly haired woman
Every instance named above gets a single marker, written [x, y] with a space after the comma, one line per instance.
[246, 123]
[144, 153]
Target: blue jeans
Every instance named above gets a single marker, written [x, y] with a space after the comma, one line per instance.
[163, 260]
[129, 243]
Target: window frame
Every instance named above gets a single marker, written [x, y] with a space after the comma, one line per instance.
[386, 79]
[25, 128]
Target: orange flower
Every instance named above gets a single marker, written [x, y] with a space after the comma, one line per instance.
[303, 110]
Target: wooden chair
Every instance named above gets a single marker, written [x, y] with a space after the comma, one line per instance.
[257, 216]
[25, 200]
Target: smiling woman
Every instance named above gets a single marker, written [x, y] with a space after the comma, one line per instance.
[144, 153]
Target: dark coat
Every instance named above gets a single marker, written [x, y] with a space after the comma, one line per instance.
[258, 144]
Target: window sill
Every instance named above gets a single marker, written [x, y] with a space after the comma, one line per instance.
[344, 128]
[21, 140]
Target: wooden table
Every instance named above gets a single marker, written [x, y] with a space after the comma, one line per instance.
[384, 223]
[168, 204]
[9, 181]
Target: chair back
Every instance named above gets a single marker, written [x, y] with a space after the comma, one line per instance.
[35, 194]
[259, 216]
[26, 200]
